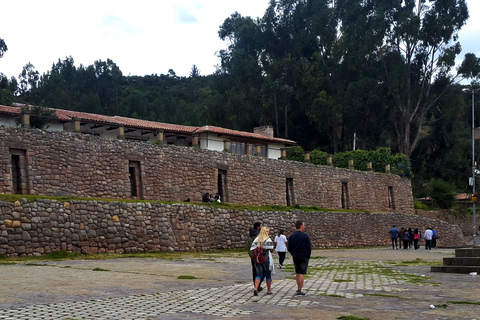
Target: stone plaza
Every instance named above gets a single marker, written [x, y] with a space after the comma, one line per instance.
[374, 283]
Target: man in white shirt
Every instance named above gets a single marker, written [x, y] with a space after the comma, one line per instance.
[428, 239]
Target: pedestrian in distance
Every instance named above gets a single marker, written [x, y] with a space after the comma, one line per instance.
[428, 239]
[300, 248]
[416, 238]
[394, 236]
[281, 247]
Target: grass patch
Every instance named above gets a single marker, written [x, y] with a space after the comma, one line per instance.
[241, 207]
[317, 258]
[382, 295]
[416, 262]
[100, 269]
[35, 264]
[341, 280]
[186, 277]
[332, 295]
[6, 263]
[465, 302]
[212, 255]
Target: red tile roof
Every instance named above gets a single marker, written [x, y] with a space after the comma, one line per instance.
[243, 134]
[68, 115]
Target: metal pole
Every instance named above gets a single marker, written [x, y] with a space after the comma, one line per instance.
[473, 91]
[473, 166]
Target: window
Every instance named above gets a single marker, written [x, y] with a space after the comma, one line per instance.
[135, 179]
[19, 171]
[345, 196]
[289, 192]
[247, 148]
[391, 199]
[237, 148]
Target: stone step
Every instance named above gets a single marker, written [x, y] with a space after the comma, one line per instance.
[467, 252]
[456, 269]
[461, 261]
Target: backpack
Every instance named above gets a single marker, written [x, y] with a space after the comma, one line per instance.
[258, 256]
[406, 236]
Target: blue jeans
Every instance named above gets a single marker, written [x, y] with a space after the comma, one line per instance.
[263, 271]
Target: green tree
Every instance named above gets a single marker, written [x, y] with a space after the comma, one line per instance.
[194, 73]
[3, 47]
[28, 79]
[443, 193]
[419, 53]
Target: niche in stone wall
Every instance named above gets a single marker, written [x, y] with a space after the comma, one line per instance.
[19, 171]
[134, 175]
[290, 191]
[222, 182]
[345, 196]
[391, 199]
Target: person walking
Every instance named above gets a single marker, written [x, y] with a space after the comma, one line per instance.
[252, 235]
[416, 238]
[300, 248]
[405, 238]
[428, 239]
[280, 247]
[394, 235]
[434, 238]
[263, 259]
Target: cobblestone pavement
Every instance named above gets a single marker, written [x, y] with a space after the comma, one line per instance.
[339, 283]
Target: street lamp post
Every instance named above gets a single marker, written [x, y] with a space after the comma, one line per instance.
[473, 91]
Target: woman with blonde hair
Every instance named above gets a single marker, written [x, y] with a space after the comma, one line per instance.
[264, 267]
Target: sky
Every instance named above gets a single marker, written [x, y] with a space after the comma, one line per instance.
[142, 37]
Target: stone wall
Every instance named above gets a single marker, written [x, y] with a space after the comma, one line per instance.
[94, 227]
[69, 164]
[464, 222]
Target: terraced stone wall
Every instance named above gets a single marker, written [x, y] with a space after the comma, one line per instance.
[68, 164]
[94, 227]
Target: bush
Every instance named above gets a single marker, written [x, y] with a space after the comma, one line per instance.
[420, 206]
[296, 154]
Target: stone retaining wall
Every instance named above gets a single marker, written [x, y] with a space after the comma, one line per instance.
[94, 227]
[69, 164]
[464, 222]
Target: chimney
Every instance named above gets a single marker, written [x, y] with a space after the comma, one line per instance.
[264, 131]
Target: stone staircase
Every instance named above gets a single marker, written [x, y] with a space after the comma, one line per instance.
[466, 260]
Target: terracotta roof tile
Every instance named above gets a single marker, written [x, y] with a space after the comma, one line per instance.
[10, 110]
[236, 133]
[68, 115]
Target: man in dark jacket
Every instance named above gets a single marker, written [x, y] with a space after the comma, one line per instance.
[253, 234]
[300, 248]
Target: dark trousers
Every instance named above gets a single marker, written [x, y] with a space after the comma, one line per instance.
[394, 243]
[281, 257]
[428, 244]
[405, 244]
[434, 242]
[415, 243]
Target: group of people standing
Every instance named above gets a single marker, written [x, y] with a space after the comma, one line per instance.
[261, 248]
[208, 197]
[411, 238]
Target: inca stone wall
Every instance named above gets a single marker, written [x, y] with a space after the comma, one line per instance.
[94, 227]
[69, 164]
